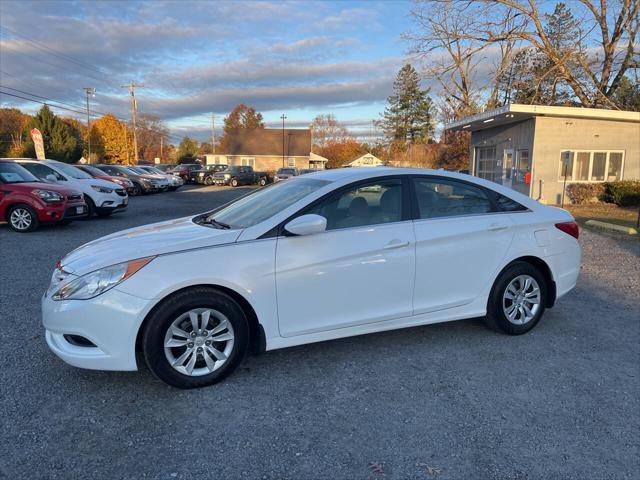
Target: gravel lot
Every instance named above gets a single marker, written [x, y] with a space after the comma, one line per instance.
[447, 401]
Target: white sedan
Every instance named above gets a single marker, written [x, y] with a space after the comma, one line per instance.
[322, 256]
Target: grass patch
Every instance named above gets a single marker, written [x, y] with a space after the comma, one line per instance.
[605, 212]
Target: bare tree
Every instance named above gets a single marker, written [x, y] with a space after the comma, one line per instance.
[605, 50]
[326, 129]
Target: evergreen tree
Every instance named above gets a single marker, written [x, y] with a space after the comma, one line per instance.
[241, 116]
[60, 143]
[187, 149]
[408, 116]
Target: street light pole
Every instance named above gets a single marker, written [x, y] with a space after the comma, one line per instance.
[283, 117]
[91, 92]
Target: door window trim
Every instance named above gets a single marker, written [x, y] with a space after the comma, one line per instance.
[405, 209]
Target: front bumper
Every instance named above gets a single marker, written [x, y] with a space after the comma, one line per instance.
[110, 321]
[74, 211]
[112, 206]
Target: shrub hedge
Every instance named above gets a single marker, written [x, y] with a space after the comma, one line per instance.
[624, 193]
[581, 193]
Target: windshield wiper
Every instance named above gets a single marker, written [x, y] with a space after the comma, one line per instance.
[215, 223]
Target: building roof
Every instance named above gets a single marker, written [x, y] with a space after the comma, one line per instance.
[516, 112]
[268, 141]
[314, 157]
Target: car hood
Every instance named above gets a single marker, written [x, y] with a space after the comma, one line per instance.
[145, 241]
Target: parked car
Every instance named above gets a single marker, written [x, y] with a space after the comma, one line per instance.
[240, 175]
[97, 173]
[205, 175]
[284, 173]
[183, 170]
[175, 182]
[142, 183]
[161, 180]
[26, 202]
[348, 251]
[304, 171]
[103, 198]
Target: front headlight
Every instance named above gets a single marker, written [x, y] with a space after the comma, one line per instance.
[48, 195]
[100, 189]
[227, 175]
[95, 283]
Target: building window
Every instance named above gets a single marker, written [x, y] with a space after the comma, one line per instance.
[291, 162]
[592, 166]
[248, 161]
[486, 163]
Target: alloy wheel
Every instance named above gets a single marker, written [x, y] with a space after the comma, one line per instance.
[21, 219]
[199, 342]
[521, 299]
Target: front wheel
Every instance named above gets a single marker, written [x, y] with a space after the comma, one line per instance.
[234, 182]
[195, 338]
[22, 218]
[262, 182]
[137, 190]
[208, 181]
[517, 300]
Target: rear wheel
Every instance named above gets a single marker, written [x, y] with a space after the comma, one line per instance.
[22, 218]
[517, 300]
[195, 338]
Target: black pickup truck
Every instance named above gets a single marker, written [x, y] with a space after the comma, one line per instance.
[240, 175]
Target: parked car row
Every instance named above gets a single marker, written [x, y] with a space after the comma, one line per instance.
[47, 191]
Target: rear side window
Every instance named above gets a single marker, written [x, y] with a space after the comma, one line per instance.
[449, 198]
[505, 204]
[41, 171]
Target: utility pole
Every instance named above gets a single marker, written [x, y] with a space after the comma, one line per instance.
[161, 141]
[91, 92]
[283, 117]
[132, 87]
[213, 133]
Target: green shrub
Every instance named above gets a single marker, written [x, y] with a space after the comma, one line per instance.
[581, 193]
[624, 193]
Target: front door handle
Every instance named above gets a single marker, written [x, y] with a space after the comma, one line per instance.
[395, 244]
[496, 227]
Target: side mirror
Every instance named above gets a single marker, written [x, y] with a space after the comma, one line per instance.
[51, 178]
[307, 225]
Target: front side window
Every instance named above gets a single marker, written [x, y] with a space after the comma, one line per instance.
[265, 203]
[449, 198]
[14, 173]
[367, 204]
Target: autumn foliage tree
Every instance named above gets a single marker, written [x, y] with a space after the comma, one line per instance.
[114, 144]
[241, 116]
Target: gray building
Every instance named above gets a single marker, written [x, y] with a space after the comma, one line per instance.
[530, 148]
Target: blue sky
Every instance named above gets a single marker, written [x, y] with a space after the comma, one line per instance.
[302, 58]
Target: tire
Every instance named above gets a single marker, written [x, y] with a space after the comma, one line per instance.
[91, 207]
[137, 190]
[520, 277]
[262, 181]
[22, 218]
[234, 182]
[208, 181]
[158, 330]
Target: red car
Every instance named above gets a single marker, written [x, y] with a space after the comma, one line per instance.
[25, 202]
[97, 173]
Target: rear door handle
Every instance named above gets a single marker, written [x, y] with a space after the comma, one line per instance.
[496, 227]
[395, 244]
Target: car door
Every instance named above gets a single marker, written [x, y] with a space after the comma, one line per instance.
[360, 270]
[460, 242]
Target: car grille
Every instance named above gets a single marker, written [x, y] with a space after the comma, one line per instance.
[121, 192]
[72, 198]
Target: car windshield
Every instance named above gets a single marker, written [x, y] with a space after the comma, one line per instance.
[72, 171]
[93, 170]
[264, 203]
[286, 171]
[130, 171]
[138, 170]
[14, 173]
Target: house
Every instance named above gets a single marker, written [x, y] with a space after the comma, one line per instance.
[530, 148]
[268, 149]
[366, 160]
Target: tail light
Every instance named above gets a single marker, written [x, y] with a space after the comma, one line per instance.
[570, 228]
